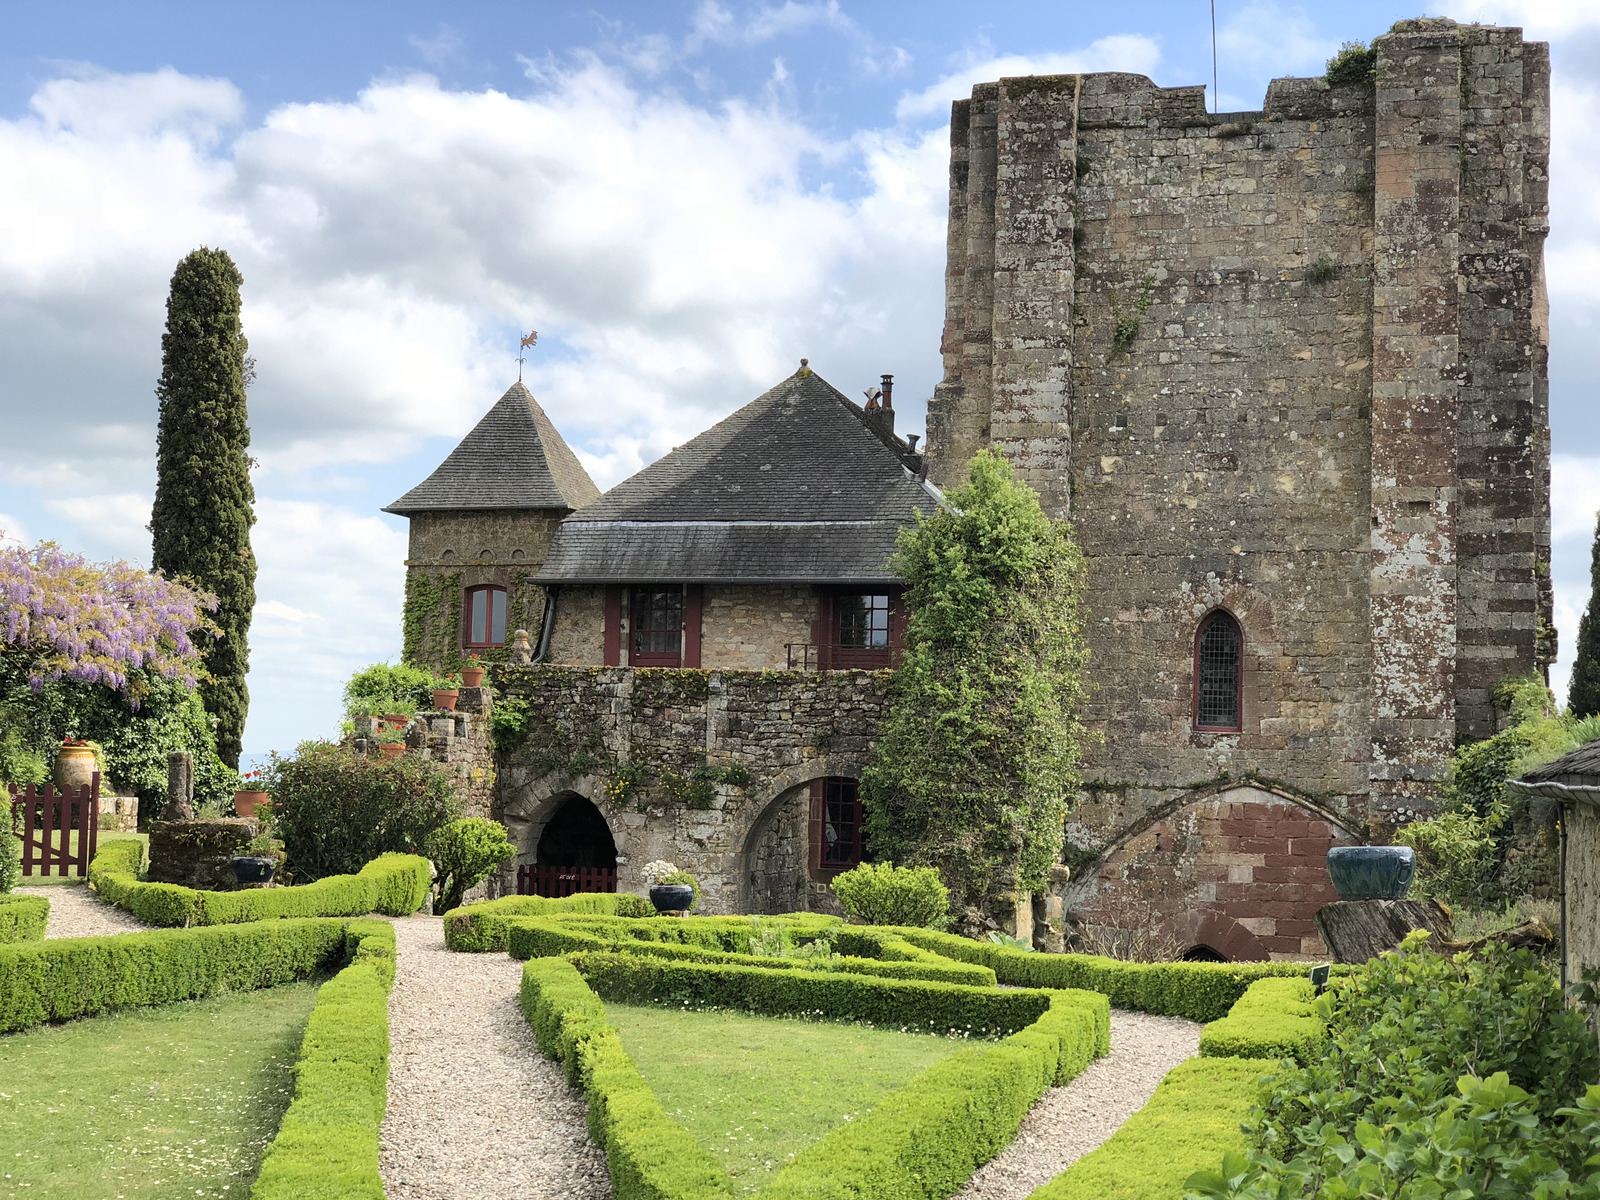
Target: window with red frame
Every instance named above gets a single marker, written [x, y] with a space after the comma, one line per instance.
[486, 616]
[1219, 673]
[858, 626]
[837, 836]
[656, 624]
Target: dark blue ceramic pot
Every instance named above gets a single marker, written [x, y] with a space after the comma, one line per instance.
[672, 897]
[1372, 872]
[252, 870]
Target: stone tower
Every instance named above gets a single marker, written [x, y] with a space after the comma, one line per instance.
[480, 526]
[1290, 364]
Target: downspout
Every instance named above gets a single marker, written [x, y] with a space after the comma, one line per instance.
[548, 623]
[1561, 823]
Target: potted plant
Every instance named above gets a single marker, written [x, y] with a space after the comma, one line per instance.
[472, 672]
[673, 892]
[446, 690]
[391, 743]
[248, 798]
[76, 764]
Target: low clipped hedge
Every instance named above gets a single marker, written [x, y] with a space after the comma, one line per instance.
[395, 884]
[1198, 991]
[327, 1145]
[479, 928]
[543, 937]
[80, 977]
[923, 1141]
[1191, 1121]
[23, 918]
[1273, 1019]
[893, 1003]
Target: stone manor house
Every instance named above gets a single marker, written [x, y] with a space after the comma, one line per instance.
[1284, 371]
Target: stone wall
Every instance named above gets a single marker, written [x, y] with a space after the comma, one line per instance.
[631, 741]
[749, 627]
[578, 637]
[1583, 887]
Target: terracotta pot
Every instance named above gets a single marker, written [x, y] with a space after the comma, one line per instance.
[446, 700]
[247, 801]
[75, 768]
[471, 676]
[391, 750]
[398, 720]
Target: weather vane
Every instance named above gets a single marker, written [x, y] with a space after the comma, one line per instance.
[531, 340]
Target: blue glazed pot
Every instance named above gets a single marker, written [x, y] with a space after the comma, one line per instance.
[252, 870]
[671, 897]
[1372, 872]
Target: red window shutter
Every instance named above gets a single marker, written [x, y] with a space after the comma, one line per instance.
[694, 597]
[897, 623]
[819, 801]
[825, 634]
[613, 636]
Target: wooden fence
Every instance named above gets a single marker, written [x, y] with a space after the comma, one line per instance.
[57, 829]
[543, 880]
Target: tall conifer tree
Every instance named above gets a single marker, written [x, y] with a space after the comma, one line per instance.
[1583, 695]
[204, 499]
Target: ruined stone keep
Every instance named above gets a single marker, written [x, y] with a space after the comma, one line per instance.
[1285, 371]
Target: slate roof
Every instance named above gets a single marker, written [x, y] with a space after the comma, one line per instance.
[796, 486]
[1580, 767]
[513, 458]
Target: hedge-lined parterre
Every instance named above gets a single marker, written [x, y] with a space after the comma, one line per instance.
[23, 918]
[480, 928]
[327, 1146]
[396, 884]
[922, 1141]
[1273, 1019]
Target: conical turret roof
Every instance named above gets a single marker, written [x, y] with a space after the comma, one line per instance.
[513, 458]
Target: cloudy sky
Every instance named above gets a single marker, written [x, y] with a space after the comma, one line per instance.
[684, 198]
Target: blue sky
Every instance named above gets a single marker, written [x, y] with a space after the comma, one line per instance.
[683, 198]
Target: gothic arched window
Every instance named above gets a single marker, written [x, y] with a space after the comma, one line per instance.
[1219, 673]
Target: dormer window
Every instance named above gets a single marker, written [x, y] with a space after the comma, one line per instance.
[486, 617]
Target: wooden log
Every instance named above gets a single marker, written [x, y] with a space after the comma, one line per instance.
[1532, 933]
[1356, 930]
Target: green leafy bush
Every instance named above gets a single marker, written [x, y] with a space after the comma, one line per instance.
[481, 927]
[402, 683]
[1353, 64]
[508, 724]
[465, 853]
[884, 894]
[23, 918]
[1273, 1019]
[10, 845]
[80, 977]
[337, 810]
[327, 1146]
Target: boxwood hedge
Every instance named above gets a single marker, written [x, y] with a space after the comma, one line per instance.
[1273, 1019]
[480, 927]
[23, 918]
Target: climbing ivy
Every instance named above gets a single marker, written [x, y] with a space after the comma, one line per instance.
[431, 618]
[978, 757]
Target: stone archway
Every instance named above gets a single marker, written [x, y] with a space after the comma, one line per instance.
[532, 812]
[774, 865]
[1239, 869]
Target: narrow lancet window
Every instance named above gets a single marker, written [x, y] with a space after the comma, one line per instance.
[1218, 671]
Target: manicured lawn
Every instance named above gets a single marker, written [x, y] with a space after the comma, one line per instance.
[756, 1090]
[157, 1103]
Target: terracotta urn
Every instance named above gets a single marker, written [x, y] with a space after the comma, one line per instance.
[248, 800]
[471, 676]
[391, 750]
[75, 768]
[446, 700]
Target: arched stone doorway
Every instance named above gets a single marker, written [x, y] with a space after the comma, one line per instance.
[575, 851]
[780, 868]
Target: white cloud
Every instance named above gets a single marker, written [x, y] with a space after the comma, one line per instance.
[13, 532]
[714, 23]
[1538, 18]
[445, 44]
[111, 525]
[1574, 503]
[1120, 52]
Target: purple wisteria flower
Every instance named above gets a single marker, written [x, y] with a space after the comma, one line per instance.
[95, 622]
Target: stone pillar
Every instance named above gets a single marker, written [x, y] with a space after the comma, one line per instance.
[1415, 380]
[180, 787]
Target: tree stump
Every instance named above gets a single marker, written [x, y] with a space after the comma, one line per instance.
[1356, 930]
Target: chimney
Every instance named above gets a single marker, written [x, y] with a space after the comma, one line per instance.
[888, 391]
[880, 410]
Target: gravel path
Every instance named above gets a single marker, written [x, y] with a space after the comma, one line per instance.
[475, 1111]
[75, 911]
[1070, 1121]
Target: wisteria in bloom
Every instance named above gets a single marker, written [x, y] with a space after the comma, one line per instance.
[70, 618]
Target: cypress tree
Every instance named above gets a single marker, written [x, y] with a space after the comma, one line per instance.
[204, 503]
[1583, 695]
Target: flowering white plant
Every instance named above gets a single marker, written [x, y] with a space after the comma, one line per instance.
[654, 872]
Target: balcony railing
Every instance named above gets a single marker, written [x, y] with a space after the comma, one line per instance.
[809, 656]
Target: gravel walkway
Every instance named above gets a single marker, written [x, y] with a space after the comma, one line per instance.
[75, 911]
[1070, 1121]
[475, 1111]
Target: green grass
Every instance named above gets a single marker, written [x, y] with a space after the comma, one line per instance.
[75, 880]
[150, 1104]
[756, 1090]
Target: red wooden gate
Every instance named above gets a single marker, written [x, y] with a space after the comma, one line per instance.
[544, 880]
[57, 829]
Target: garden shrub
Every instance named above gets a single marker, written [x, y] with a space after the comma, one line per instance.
[370, 686]
[1353, 64]
[891, 1003]
[23, 918]
[10, 845]
[79, 977]
[884, 894]
[465, 852]
[337, 810]
[327, 1145]
[480, 927]
[1190, 1122]
[1273, 1019]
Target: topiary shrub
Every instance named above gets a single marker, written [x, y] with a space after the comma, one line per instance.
[884, 894]
[464, 853]
[337, 810]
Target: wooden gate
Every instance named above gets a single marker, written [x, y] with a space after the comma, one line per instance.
[543, 880]
[57, 829]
